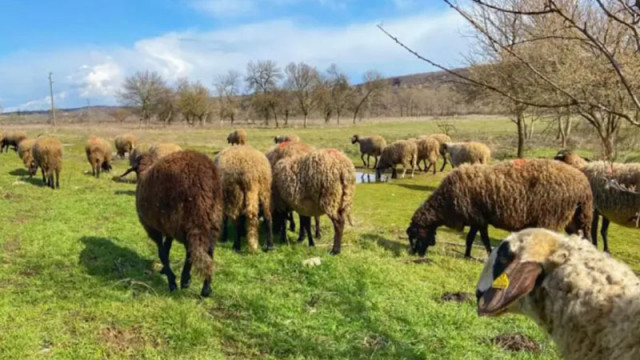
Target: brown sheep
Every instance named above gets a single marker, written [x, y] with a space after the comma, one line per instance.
[467, 153]
[138, 151]
[25, 152]
[180, 197]
[237, 137]
[321, 182]
[403, 152]
[285, 138]
[442, 139]
[47, 153]
[428, 149]
[158, 151]
[245, 175]
[619, 207]
[370, 146]
[125, 143]
[510, 195]
[98, 153]
[12, 138]
[282, 151]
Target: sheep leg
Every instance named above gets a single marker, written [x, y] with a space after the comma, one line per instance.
[224, 237]
[603, 231]
[301, 230]
[57, 179]
[338, 229]
[471, 236]
[375, 164]
[44, 179]
[307, 227]
[394, 173]
[206, 286]
[363, 162]
[236, 239]
[594, 228]
[269, 222]
[292, 222]
[318, 233]
[444, 163]
[484, 235]
[434, 166]
[185, 277]
[404, 171]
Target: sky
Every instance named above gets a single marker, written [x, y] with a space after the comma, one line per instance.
[91, 46]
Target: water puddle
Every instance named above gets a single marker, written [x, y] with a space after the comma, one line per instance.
[365, 178]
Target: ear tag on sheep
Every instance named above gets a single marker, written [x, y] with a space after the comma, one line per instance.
[501, 282]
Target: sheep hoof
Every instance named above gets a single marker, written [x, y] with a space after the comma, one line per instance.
[173, 287]
[206, 291]
[185, 284]
[334, 252]
[236, 249]
[269, 248]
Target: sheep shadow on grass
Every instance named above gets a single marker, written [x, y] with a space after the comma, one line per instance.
[125, 192]
[419, 187]
[112, 263]
[19, 172]
[395, 246]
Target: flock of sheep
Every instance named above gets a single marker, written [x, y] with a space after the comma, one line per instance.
[587, 301]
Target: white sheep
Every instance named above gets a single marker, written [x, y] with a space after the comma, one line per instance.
[467, 153]
[588, 302]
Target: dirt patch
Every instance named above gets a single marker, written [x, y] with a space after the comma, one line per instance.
[29, 272]
[11, 246]
[516, 342]
[10, 196]
[127, 340]
[456, 296]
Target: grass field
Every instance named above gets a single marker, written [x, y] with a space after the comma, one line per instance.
[79, 279]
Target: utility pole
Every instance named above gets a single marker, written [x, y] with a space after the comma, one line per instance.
[53, 109]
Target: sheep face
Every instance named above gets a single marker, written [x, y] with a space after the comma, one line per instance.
[32, 168]
[420, 238]
[106, 167]
[515, 269]
[229, 139]
[355, 139]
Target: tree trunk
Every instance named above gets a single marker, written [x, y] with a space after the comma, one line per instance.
[338, 117]
[305, 121]
[520, 124]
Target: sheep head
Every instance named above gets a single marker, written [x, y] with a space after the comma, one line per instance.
[420, 238]
[355, 139]
[516, 268]
[571, 158]
[32, 167]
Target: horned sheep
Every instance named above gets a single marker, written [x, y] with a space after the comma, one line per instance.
[322, 182]
[47, 153]
[245, 175]
[180, 197]
[467, 153]
[404, 152]
[588, 302]
[510, 195]
[370, 146]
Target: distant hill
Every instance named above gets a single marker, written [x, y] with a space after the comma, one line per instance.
[431, 80]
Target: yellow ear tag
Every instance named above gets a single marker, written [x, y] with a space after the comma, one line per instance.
[501, 282]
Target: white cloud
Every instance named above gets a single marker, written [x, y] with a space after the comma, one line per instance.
[238, 8]
[97, 73]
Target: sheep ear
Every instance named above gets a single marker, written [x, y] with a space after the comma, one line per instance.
[518, 280]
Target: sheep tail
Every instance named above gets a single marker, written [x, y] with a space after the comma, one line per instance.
[199, 244]
[347, 196]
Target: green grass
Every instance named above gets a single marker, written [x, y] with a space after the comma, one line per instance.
[80, 279]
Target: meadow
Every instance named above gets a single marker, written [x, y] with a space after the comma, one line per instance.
[79, 279]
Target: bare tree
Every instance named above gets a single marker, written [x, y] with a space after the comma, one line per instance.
[228, 89]
[341, 93]
[166, 107]
[372, 86]
[120, 114]
[262, 79]
[193, 102]
[143, 91]
[302, 80]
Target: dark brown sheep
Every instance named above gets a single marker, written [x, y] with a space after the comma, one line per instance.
[510, 195]
[180, 197]
[125, 143]
[12, 138]
[47, 153]
[98, 154]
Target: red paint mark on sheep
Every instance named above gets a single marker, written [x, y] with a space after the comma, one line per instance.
[519, 162]
[333, 152]
[283, 144]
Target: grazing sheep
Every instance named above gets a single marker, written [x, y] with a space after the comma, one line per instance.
[138, 151]
[98, 153]
[428, 149]
[25, 152]
[321, 182]
[403, 152]
[158, 151]
[510, 195]
[125, 144]
[285, 138]
[12, 138]
[588, 302]
[180, 197]
[237, 137]
[370, 146]
[245, 175]
[282, 151]
[614, 205]
[442, 139]
[467, 153]
[47, 153]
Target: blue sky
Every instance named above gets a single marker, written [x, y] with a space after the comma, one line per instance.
[92, 45]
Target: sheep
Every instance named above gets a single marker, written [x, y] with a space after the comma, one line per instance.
[614, 205]
[98, 153]
[370, 146]
[12, 138]
[442, 139]
[25, 152]
[285, 138]
[245, 175]
[318, 183]
[180, 197]
[403, 152]
[158, 151]
[467, 153]
[237, 137]
[428, 149]
[47, 153]
[588, 302]
[138, 151]
[277, 153]
[510, 195]
[124, 144]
